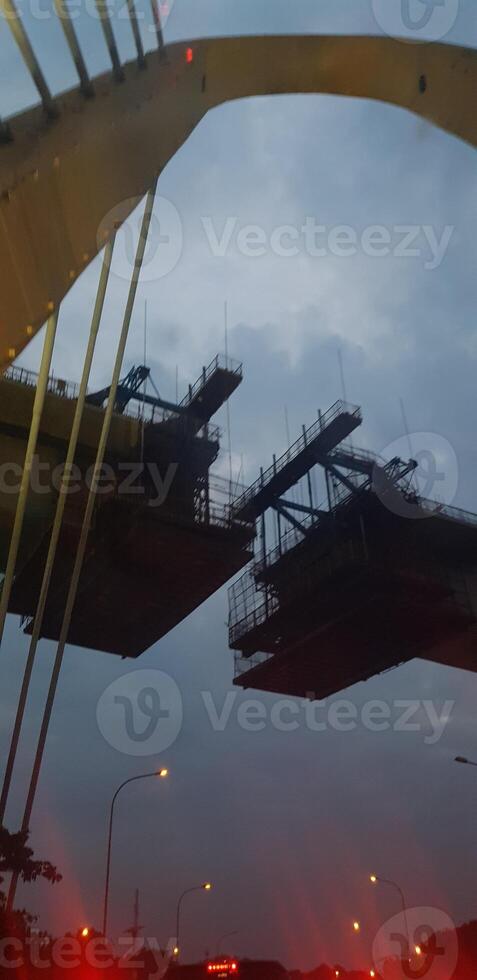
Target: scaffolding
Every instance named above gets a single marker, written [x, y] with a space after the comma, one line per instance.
[371, 578]
[150, 559]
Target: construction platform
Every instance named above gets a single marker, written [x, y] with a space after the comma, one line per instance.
[163, 535]
[371, 579]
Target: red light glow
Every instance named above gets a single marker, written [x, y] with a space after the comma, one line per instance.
[189, 56]
[223, 968]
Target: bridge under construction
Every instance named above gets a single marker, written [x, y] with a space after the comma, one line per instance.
[368, 580]
[163, 536]
[357, 584]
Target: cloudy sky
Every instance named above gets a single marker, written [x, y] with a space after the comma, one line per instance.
[286, 824]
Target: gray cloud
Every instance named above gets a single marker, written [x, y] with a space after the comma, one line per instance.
[287, 826]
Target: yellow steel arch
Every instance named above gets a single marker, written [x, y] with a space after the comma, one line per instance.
[60, 178]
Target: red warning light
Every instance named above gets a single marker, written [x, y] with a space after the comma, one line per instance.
[189, 56]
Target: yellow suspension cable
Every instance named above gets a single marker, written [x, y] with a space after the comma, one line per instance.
[27, 467]
[55, 533]
[78, 564]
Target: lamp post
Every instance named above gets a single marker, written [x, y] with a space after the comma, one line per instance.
[374, 879]
[158, 773]
[206, 887]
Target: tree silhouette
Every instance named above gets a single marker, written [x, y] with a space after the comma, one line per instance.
[17, 857]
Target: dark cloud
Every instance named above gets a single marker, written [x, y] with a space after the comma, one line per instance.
[286, 825]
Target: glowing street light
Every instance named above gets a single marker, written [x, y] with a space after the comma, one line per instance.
[356, 926]
[418, 950]
[205, 887]
[85, 932]
[158, 773]
[375, 879]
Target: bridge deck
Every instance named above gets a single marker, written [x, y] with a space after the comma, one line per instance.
[215, 385]
[326, 433]
[142, 576]
[372, 633]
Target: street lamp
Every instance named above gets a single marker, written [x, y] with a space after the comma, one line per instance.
[356, 926]
[374, 879]
[205, 887]
[158, 773]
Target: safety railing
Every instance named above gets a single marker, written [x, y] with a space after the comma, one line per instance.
[290, 540]
[219, 362]
[365, 455]
[253, 609]
[251, 606]
[215, 509]
[433, 507]
[183, 423]
[149, 414]
[56, 386]
[339, 408]
[204, 505]
[243, 664]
